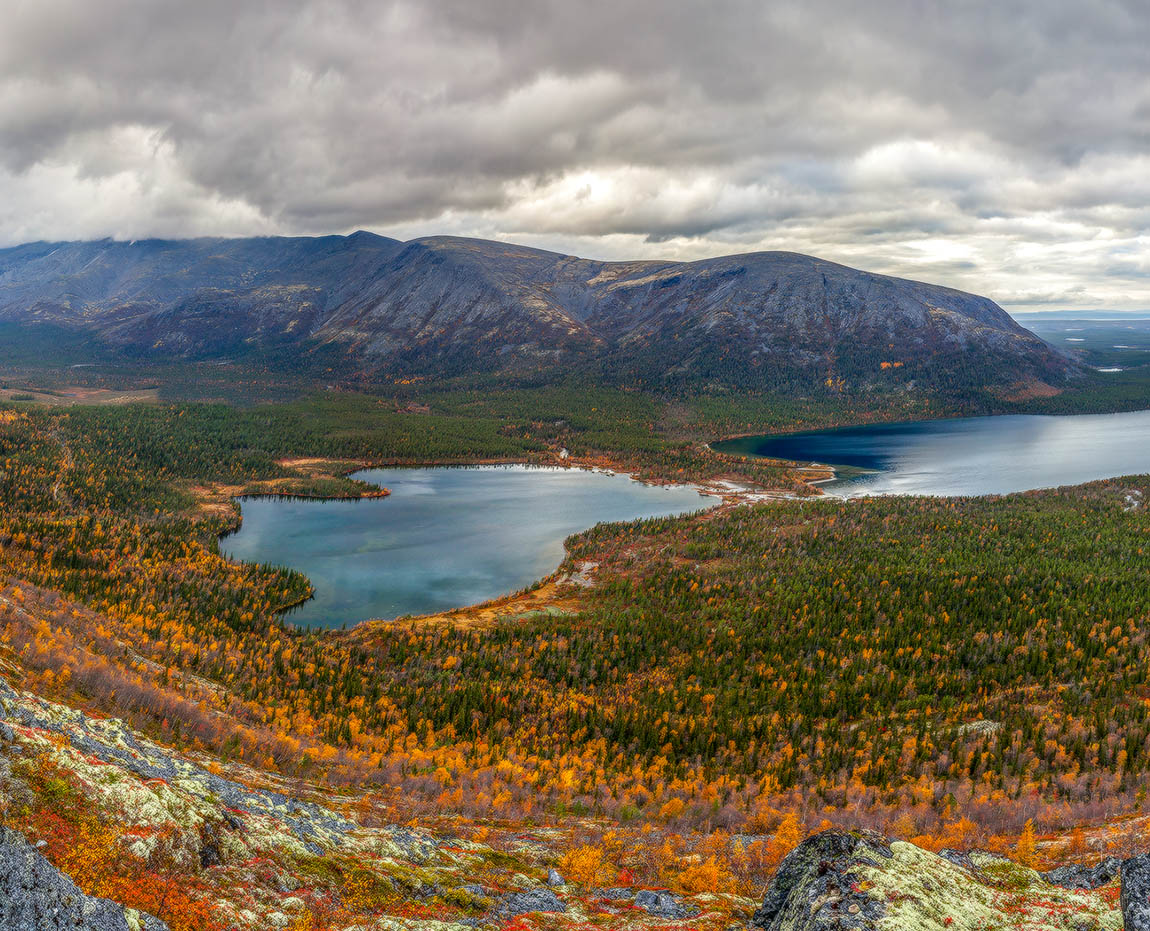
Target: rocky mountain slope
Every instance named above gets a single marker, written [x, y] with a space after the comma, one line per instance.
[231, 847]
[240, 849]
[365, 304]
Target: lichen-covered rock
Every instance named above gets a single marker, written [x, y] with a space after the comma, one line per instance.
[1078, 876]
[1136, 893]
[523, 881]
[817, 885]
[863, 881]
[409, 844]
[555, 878]
[521, 903]
[177, 791]
[35, 896]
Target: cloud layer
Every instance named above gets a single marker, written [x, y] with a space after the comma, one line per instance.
[1002, 147]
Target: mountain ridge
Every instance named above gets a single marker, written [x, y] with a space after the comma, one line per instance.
[368, 304]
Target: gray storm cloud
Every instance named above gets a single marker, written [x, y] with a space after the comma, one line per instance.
[995, 146]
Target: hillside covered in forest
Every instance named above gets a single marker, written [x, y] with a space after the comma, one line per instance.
[106, 830]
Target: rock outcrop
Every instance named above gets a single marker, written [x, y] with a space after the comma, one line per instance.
[1078, 876]
[662, 904]
[35, 896]
[818, 885]
[1136, 893]
[523, 903]
[864, 881]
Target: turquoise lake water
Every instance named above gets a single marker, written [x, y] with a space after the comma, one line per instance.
[443, 539]
[968, 456]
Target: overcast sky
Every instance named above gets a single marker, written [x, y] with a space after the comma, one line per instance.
[1001, 146]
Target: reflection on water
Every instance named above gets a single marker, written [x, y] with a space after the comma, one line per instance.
[969, 456]
[444, 538]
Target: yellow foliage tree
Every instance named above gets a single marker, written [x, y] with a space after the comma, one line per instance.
[710, 875]
[903, 827]
[585, 866]
[787, 837]
[1026, 849]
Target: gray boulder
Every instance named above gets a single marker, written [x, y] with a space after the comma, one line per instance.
[815, 889]
[615, 894]
[7, 694]
[535, 900]
[662, 904]
[555, 878]
[1078, 876]
[958, 858]
[1135, 896]
[35, 896]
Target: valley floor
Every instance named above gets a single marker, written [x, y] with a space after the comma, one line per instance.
[676, 709]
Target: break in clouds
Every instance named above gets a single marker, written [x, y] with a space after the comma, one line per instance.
[1001, 146]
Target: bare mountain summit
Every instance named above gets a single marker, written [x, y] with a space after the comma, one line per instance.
[365, 305]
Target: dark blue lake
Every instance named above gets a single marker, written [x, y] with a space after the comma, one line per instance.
[443, 539]
[967, 456]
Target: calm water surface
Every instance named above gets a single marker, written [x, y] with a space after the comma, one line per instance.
[444, 538]
[968, 456]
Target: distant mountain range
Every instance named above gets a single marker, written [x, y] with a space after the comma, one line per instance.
[366, 306]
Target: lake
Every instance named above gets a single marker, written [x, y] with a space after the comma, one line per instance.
[967, 456]
[444, 538]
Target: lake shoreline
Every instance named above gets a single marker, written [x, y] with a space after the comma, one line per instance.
[706, 497]
[728, 494]
[297, 496]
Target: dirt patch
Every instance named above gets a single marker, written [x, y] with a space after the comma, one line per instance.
[321, 466]
[1028, 390]
[214, 500]
[65, 397]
